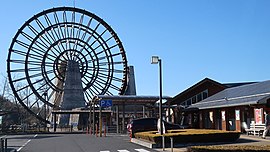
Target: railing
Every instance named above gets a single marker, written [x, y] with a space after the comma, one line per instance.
[255, 129]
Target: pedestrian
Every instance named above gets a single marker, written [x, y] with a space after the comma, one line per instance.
[267, 124]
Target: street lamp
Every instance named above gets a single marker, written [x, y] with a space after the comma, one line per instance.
[157, 60]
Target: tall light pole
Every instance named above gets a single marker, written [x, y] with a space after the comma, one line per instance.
[157, 60]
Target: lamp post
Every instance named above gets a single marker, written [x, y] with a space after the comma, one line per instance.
[157, 60]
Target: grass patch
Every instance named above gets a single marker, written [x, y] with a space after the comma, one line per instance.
[190, 136]
[233, 148]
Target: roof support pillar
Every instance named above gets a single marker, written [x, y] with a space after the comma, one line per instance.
[94, 121]
[117, 119]
[54, 122]
[169, 113]
[143, 111]
[123, 118]
[90, 119]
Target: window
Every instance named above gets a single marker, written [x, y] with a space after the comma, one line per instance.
[183, 104]
[199, 97]
[189, 102]
[193, 99]
[205, 94]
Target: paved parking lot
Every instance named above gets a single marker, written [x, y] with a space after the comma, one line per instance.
[73, 143]
[113, 142]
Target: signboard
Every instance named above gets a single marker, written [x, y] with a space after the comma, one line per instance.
[159, 128]
[106, 103]
[258, 116]
[211, 117]
[237, 114]
[223, 116]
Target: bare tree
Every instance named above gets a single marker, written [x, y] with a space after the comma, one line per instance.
[3, 85]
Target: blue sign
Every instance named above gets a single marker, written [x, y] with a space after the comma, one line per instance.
[106, 103]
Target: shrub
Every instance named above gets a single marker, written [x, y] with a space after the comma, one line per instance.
[190, 136]
[232, 148]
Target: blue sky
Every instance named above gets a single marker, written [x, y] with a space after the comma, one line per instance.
[225, 40]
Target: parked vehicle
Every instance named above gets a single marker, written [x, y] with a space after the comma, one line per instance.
[148, 124]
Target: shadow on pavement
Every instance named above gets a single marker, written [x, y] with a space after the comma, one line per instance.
[245, 140]
[239, 141]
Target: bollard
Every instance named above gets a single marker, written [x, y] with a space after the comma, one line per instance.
[90, 131]
[171, 144]
[96, 131]
[163, 143]
[105, 131]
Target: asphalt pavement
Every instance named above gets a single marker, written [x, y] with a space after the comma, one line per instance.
[73, 143]
[91, 143]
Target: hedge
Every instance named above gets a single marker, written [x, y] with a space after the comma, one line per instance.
[231, 148]
[190, 136]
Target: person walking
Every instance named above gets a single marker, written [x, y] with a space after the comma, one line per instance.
[267, 124]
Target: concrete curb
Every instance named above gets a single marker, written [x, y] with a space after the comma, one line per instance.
[243, 140]
[143, 143]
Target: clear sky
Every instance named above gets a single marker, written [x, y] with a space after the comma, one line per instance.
[225, 40]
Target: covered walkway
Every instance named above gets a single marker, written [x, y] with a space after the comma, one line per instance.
[120, 102]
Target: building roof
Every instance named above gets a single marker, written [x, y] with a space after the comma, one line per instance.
[132, 99]
[254, 93]
[230, 85]
[185, 94]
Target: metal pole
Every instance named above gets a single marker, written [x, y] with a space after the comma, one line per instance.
[171, 144]
[90, 119]
[54, 122]
[94, 120]
[100, 121]
[117, 119]
[160, 102]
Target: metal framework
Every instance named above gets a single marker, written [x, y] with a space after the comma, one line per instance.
[41, 48]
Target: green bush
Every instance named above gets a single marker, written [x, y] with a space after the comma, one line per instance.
[190, 136]
[233, 148]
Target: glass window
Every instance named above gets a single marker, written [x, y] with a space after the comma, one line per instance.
[189, 102]
[205, 94]
[199, 97]
[193, 99]
[183, 104]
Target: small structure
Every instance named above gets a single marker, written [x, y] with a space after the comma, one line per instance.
[73, 96]
[232, 107]
[122, 111]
